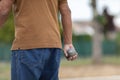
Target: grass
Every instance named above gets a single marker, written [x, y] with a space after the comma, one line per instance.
[115, 60]
[4, 71]
[77, 62]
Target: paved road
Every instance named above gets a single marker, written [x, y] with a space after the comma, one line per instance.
[97, 78]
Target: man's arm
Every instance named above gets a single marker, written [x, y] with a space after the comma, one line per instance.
[66, 22]
[67, 26]
[5, 7]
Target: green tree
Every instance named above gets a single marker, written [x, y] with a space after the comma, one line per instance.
[7, 31]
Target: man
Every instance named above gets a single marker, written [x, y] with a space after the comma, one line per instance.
[37, 46]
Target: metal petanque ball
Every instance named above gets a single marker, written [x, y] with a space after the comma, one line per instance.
[71, 52]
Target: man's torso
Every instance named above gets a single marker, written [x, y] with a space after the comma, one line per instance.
[36, 24]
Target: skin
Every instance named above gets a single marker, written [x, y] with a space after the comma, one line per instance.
[5, 8]
[66, 47]
[67, 25]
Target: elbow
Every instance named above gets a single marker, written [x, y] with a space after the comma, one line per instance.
[3, 16]
[66, 12]
[4, 11]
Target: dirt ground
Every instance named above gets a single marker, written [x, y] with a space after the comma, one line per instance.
[77, 71]
[89, 71]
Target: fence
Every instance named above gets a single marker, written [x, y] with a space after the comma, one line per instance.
[5, 51]
[84, 48]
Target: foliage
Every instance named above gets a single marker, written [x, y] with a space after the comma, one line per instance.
[82, 38]
[101, 19]
[7, 31]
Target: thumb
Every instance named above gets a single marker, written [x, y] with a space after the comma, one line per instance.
[65, 53]
[67, 47]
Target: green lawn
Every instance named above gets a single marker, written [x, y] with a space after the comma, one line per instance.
[4, 71]
[114, 60]
[77, 62]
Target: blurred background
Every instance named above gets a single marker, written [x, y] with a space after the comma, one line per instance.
[96, 37]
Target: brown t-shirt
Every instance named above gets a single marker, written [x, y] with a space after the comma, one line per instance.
[36, 24]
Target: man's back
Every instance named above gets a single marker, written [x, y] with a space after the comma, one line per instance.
[36, 48]
[36, 24]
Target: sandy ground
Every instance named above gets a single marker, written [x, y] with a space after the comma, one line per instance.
[79, 72]
[96, 78]
[89, 71]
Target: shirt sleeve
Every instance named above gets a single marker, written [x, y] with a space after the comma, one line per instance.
[62, 1]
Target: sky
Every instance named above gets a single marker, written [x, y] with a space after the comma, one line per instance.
[82, 11]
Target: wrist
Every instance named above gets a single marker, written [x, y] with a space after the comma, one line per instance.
[67, 42]
[68, 46]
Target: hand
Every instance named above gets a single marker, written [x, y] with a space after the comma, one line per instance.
[66, 47]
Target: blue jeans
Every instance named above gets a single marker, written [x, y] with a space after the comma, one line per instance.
[35, 64]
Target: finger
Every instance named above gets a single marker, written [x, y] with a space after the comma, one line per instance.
[70, 58]
[74, 57]
[66, 55]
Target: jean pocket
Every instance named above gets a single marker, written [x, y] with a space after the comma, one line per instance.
[58, 55]
[28, 58]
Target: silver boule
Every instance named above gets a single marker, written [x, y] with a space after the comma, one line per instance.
[71, 52]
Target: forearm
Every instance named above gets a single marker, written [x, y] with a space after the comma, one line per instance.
[67, 24]
[5, 7]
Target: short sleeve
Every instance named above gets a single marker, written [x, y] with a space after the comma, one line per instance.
[62, 1]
